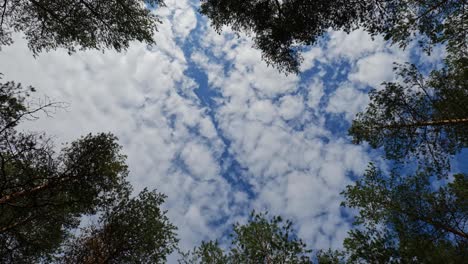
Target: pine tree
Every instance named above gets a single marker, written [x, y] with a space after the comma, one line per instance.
[260, 240]
[43, 194]
[134, 230]
[417, 117]
[407, 219]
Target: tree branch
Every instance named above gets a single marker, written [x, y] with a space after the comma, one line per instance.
[3, 12]
[97, 15]
[29, 113]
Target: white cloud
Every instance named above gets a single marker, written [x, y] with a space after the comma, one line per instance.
[291, 106]
[348, 100]
[315, 93]
[262, 110]
[200, 161]
[184, 22]
[271, 150]
[310, 57]
[377, 68]
[354, 45]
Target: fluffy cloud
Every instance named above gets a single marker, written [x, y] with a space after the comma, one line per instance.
[347, 100]
[288, 166]
[291, 107]
[354, 45]
[374, 69]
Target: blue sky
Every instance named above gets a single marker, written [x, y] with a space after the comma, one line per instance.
[203, 119]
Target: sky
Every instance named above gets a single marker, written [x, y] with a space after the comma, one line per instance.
[204, 120]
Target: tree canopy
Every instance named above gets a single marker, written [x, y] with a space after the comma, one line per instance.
[44, 195]
[78, 24]
[281, 28]
[407, 215]
[417, 116]
[260, 240]
[134, 230]
[405, 219]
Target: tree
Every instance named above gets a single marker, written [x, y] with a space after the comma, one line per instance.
[44, 194]
[281, 28]
[83, 24]
[407, 219]
[207, 253]
[261, 240]
[426, 118]
[135, 230]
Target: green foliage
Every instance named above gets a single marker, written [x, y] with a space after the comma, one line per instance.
[278, 28]
[133, 231]
[422, 118]
[281, 28]
[330, 257]
[407, 219]
[95, 24]
[207, 253]
[260, 240]
[421, 217]
[44, 194]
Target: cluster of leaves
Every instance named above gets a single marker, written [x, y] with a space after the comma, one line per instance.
[133, 231]
[44, 195]
[281, 28]
[83, 24]
[260, 240]
[420, 118]
[415, 215]
[405, 219]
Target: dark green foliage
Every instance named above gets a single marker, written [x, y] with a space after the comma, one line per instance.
[420, 217]
[281, 28]
[207, 253]
[422, 118]
[82, 24]
[44, 194]
[133, 231]
[330, 257]
[408, 219]
[261, 240]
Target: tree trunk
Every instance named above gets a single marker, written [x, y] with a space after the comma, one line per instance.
[5, 199]
[430, 123]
